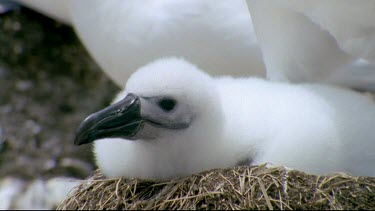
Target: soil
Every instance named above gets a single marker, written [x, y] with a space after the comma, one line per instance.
[48, 85]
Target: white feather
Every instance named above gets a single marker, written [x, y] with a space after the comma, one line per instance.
[317, 40]
[123, 35]
[314, 128]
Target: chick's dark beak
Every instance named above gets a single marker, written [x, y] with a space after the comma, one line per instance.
[120, 120]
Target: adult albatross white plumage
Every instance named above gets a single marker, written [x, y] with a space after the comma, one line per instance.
[123, 35]
[317, 40]
[172, 120]
[301, 41]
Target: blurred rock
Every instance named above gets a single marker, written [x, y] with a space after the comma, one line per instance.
[49, 84]
[9, 189]
[37, 194]
[7, 5]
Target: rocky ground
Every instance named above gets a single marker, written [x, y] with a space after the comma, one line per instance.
[48, 85]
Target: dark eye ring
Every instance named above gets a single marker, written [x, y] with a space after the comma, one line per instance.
[167, 104]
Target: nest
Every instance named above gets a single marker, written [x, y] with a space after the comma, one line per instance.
[243, 187]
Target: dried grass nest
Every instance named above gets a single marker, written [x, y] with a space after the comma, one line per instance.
[243, 187]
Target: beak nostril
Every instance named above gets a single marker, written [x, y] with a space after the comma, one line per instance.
[131, 97]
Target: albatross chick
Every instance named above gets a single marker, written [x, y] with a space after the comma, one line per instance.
[173, 120]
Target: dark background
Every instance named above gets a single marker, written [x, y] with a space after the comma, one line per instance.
[48, 85]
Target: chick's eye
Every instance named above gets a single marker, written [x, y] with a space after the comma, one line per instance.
[167, 104]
